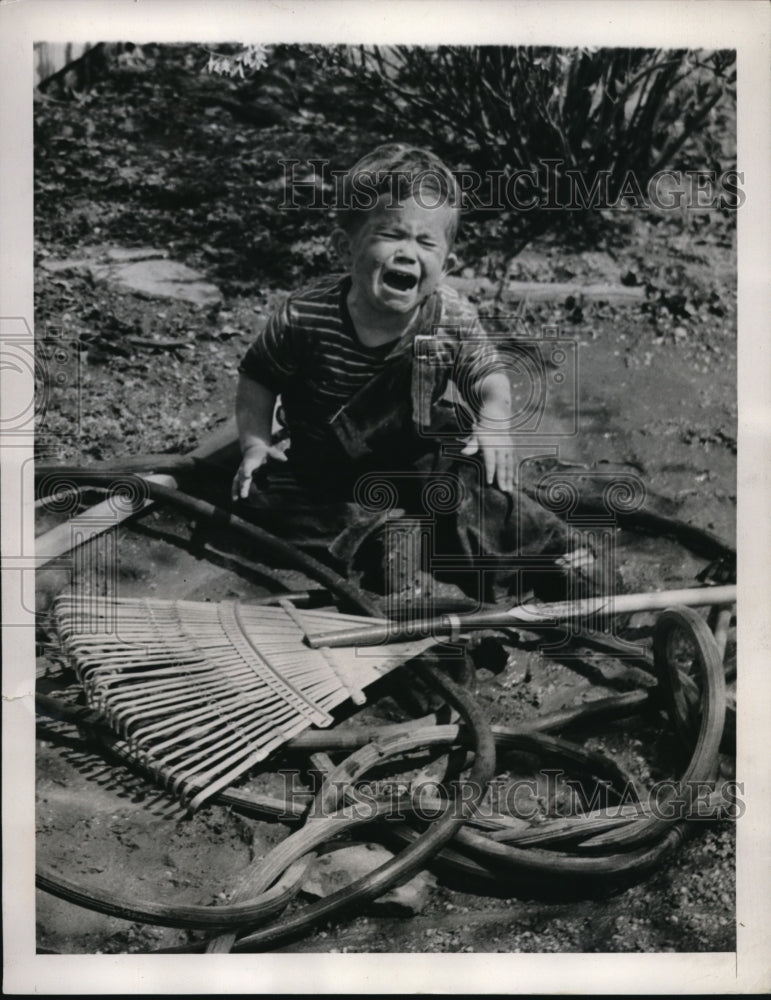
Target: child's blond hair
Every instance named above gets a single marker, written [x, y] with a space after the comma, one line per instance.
[403, 171]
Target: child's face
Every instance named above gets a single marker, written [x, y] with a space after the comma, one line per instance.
[398, 254]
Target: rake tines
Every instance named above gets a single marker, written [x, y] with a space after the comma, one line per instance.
[202, 692]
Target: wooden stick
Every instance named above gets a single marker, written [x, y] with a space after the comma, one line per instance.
[61, 539]
[528, 614]
[87, 525]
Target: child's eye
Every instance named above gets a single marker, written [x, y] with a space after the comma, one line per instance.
[425, 242]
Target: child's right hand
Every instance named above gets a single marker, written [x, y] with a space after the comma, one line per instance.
[255, 456]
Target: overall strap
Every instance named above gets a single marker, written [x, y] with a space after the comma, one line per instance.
[399, 396]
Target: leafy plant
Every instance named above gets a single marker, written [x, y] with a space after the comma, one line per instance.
[587, 112]
[242, 63]
[510, 108]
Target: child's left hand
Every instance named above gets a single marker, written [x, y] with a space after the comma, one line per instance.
[492, 437]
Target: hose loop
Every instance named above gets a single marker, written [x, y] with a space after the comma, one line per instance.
[636, 848]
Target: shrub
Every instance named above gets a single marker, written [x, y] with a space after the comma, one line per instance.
[587, 111]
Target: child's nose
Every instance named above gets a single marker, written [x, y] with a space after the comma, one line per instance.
[406, 252]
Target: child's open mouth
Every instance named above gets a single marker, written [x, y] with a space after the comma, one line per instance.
[401, 281]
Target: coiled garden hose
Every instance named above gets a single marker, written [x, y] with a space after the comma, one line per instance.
[703, 761]
[424, 732]
[484, 858]
[643, 520]
[684, 694]
[190, 916]
[505, 863]
[472, 851]
[649, 522]
[268, 542]
[412, 859]
[416, 855]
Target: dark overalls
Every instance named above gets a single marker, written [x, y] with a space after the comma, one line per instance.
[390, 498]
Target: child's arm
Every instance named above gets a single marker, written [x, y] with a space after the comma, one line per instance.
[491, 433]
[254, 416]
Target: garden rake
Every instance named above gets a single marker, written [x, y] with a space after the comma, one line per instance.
[201, 692]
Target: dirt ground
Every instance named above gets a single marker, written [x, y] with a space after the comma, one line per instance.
[656, 390]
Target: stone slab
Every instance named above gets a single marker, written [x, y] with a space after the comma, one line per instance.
[340, 867]
[142, 271]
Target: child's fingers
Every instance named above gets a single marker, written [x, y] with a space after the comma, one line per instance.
[505, 470]
[499, 467]
[241, 485]
[242, 482]
[472, 446]
[489, 457]
[245, 485]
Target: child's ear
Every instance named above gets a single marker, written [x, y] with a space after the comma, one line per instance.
[341, 244]
[451, 263]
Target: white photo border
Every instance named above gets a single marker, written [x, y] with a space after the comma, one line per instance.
[744, 25]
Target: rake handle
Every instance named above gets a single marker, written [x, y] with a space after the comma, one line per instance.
[525, 615]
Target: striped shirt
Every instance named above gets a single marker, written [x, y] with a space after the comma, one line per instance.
[310, 355]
